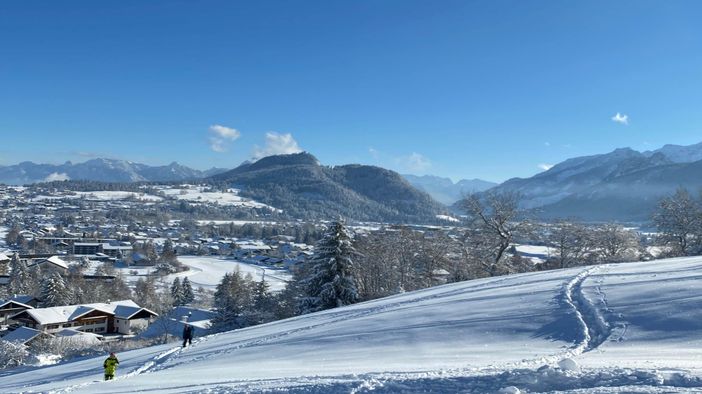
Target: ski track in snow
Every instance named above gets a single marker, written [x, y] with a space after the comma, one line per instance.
[597, 323]
[336, 317]
[156, 360]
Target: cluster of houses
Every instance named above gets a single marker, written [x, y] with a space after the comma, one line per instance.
[47, 263]
[22, 321]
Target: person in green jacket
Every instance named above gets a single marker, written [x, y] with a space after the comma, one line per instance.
[110, 366]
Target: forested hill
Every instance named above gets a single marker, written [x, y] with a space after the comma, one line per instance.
[303, 188]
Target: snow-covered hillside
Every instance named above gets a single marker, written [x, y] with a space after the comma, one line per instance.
[616, 328]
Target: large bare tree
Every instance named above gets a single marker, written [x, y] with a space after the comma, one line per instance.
[494, 220]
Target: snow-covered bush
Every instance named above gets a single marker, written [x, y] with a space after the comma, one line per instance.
[12, 354]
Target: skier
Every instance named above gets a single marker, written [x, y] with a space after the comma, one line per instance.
[188, 334]
[110, 366]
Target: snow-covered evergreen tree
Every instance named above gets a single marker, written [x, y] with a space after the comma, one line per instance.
[188, 293]
[20, 278]
[54, 291]
[331, 282]
[177, 292]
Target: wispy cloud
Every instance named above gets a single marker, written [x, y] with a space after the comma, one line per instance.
[57, 177]
[374, 153]
[415, 162]
[547, 143]
[545, 166]
[621, 118]
[221, 137]
[277, 144]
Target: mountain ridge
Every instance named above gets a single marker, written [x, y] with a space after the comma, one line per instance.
[623, 184]
[100, 169]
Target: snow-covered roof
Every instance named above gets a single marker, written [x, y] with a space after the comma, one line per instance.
[116, 247]
[3, 257]
[21, 335]
[55, 260]
[23, 300]
[79, 336]
[124, 309]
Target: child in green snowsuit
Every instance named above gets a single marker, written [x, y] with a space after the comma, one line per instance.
[110, 366]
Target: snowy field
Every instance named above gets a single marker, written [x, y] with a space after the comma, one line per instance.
[626, 328]
[207, 271]
[192, 193]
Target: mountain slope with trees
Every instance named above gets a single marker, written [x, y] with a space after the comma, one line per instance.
[303, 188]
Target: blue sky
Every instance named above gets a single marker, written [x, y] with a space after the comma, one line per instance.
[464, 89]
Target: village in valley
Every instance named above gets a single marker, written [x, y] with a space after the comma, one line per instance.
[94, 274]
[82, 269]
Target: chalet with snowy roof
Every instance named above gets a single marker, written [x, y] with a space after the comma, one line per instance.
[118, 317]
[49, 265]
[14, 306]
[4, 259]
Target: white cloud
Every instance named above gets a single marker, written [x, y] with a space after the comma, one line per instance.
[545, 166]
[374, 153]
[415, 162]
[221, 136]
[57, 177]
[277, 144]
[621, 118]
[547, 143]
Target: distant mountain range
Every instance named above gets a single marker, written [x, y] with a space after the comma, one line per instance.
[302, 187]
[621, 185]
[444, 190]
[102, 170]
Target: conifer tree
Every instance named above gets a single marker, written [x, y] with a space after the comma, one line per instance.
[168, 253]
[20, 278]
[232, 296]
[177, 292]
[331, 282]
[188, 293]
[54, 291]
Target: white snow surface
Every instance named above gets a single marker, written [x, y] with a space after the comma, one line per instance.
[208, 271]
[612, 329]
[197, 194]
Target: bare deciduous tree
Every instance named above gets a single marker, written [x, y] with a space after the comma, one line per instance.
[572, 242]
[495, 218]
[679, 221]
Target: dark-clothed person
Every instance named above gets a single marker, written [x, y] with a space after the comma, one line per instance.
[188, 331]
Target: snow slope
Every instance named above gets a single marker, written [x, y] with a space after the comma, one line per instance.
[606, 329]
